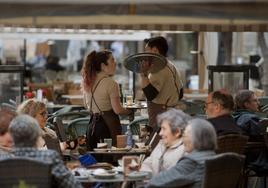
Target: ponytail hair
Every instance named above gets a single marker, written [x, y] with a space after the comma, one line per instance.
[92, 66]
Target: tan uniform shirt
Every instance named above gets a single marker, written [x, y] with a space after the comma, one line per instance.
[164, 81]
[105, 90]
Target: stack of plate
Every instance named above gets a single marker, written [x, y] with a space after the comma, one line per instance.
[104, 174]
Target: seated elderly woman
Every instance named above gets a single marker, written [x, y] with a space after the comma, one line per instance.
[26, 135]
[37, 110]
[5, 139]
[170, 148]
[199, 141]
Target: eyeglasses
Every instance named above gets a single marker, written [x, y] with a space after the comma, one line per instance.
[44, 113]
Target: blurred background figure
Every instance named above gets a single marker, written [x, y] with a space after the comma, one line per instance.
[54, 71]
[247, 105]
[52, 63]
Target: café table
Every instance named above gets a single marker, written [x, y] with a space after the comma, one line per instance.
[134, 107]
[113, 156]
[113, 181]
[72, 96]
[125, 152]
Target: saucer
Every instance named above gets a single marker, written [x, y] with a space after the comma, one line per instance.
[100, 149]
[140, 174]
[104, 174]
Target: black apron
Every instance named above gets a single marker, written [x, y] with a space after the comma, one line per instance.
[105, 124]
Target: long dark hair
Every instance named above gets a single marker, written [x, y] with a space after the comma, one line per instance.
[92, 66]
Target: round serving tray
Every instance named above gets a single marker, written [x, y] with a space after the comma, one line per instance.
[137, 62]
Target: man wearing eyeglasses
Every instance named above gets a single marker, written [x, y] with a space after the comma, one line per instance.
[219, 106]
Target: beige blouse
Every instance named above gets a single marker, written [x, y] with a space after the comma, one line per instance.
[106, 89]
[170, 157]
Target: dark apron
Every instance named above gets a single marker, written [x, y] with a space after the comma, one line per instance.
[153, 111]
[97, 131]
[105, 124]
[113, 123]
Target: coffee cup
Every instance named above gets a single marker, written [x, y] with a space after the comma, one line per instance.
[121, 141]
[102, 145]
[108, 141]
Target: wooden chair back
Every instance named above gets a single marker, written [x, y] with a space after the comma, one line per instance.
[232, 143]
[25, 172]
[223, 171]
[60, 130]
[78, 127]
[52, 143]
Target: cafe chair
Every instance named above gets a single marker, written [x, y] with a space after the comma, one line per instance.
[263, 101]
[258, 169]
[231, 143]
[223, 171]
[25, 172]
[78, 127]
[67, 114]
[264, 108]
[52, 143]
[60, 129]
[63, 110]
[258, 158]
[193, 107]
[135, 125]
[8, 106]
[263, 126]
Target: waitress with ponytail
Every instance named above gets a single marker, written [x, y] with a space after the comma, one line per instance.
[101, 97]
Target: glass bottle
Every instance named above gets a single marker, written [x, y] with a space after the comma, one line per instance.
[129, 137]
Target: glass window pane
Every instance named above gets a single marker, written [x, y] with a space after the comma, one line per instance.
[10, 87]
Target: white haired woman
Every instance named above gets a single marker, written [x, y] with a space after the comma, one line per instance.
[170, 148]
[199, 141]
